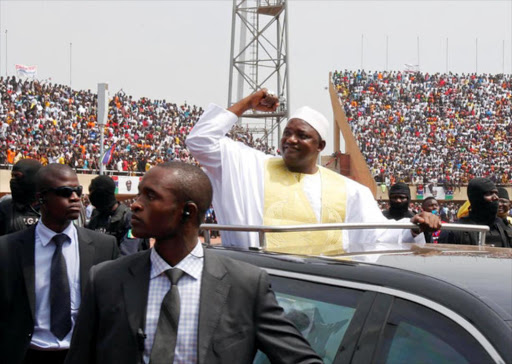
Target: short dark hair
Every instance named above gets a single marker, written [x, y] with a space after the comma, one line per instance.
[46, 172]
[427, 199]
[192, 185]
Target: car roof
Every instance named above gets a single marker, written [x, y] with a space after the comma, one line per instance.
[485, 271]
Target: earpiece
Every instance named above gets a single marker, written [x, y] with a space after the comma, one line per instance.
[186, 212]
[41, 200]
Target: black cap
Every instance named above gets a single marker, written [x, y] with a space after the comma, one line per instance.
[103, 183]
[400, 188]
[503, 193]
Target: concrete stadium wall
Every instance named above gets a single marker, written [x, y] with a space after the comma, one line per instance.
[5, 177]
[84, 179]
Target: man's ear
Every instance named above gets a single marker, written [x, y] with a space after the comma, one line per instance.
[321, 145]
[189, 211]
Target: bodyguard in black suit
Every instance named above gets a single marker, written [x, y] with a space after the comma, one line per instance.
[141, 308]
[35, 326]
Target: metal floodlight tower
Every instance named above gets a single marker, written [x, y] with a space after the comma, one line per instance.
[259, 49]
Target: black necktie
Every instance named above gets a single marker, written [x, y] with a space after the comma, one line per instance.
[60, 301]
[167, 328]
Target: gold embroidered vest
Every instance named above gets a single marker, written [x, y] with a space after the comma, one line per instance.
[285, 203]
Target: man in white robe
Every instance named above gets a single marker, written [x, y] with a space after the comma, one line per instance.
[247, 190]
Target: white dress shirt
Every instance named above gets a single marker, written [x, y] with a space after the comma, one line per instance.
[43, 338]
[189, 287]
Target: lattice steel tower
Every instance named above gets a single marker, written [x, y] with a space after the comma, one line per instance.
[259, 49]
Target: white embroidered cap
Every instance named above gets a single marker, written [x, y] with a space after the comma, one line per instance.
[313, 118]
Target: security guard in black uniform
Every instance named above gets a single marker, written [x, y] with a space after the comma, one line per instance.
[21, 210]
[112, 217]
[483, 196]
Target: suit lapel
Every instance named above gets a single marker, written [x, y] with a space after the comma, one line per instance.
[86, 252]
[214, 292]
[27, 258]
[135, 291]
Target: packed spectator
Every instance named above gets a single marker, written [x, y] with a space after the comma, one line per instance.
[447, 210]
[441, 129]
[53, 123]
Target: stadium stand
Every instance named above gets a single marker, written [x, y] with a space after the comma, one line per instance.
[440, 129]
[53, 123]
[447, 210]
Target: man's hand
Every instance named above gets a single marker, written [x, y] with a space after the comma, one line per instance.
[261, 100]
[426, 222]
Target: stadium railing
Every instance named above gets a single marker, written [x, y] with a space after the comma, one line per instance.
[262, 230]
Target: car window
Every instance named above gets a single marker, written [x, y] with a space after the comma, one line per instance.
[322, 313]
[415, 333]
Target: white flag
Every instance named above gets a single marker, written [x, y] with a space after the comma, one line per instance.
[411, 68]
[26, 71]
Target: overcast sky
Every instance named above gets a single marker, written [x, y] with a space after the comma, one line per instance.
[179, 50]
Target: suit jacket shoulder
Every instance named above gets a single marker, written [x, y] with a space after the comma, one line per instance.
[102, 246]
[83, 234]
[125, 275]
[219, 263]
[94, 236]
[123, 264]
[22, 235]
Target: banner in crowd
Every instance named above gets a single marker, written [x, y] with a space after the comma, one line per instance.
[438, 192]
[419, 192]
[26, 71]
[126, 185]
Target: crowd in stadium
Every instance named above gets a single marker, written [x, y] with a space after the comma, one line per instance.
[447, 210]
[420, 128]
[441, 129]
[53, 123]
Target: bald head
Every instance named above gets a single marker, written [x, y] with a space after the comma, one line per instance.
[190, 184]
[47, 174]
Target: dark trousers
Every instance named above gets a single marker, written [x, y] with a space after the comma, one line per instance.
[43, 357]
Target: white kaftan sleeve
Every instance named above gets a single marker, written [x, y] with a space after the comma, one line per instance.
[362, 207]
[235, 171]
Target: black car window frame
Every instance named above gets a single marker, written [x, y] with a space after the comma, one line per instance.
[414, 319]
[383, 291]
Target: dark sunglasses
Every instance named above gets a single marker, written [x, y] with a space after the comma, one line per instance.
[66, 191]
